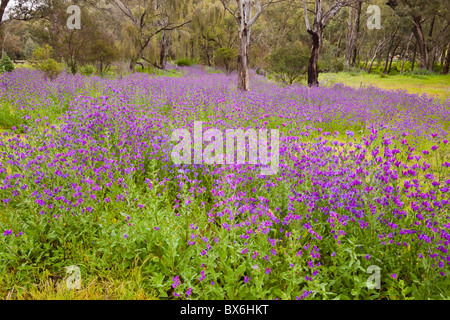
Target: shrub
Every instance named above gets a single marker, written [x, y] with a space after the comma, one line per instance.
[422, 72]
[103, 54]
[289, 63]
[6, 64]
[226, 57]
[184, 62]
[87, 70]
[51, 68]
[328, 60]
[41, 60]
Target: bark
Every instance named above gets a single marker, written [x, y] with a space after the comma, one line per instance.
[3, 5]
[316, 31]
[447, 60]
[242, 60]
[432, 60]
[442, 59]
[349, 40]
[245, 20]
[391, 42]
[132, 65]
[387, 60]
[406, 53]
[338, 51]
[392, 58]
[421, 44]
[165, 45]
[356, 32]
[414, 57]
[313, 70]
[378, 49]
[243, 17]
[430, 34]
[206, 48]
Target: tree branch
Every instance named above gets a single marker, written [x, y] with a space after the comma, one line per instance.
[308, 27]
[228, 9]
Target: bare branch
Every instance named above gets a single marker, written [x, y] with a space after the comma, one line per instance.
[228, 9]
[308, 27]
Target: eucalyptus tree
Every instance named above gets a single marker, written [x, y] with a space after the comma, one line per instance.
[432, 15]
[447, 60]
[245, 18]
[21, 10]
[146, 19]
[323, 13]
[207, 27]
[354, 19]
[69, 44]
[3, 5]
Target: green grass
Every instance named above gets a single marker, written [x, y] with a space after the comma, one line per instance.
[436, 85]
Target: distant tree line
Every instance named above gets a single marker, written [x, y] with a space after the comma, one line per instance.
[289, 38]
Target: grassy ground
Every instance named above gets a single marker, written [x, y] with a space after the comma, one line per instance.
[437, 85]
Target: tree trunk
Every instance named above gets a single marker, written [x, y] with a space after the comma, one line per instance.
[377, 50]
[356, 32]
[406, 53]
[192, 49]
[338, 51]
[391, 42]
[414, 57]
[371, 65]
[430, 34]
[313, 71]
[73, 66]
[392, 58]
[387, 60]
[432, 60]
[165, 45]
[3, 4]
[447, 60]
[421, 44]
[442, 58]
[244, 46]
[242, 61]
[132, 65]
[349, 40]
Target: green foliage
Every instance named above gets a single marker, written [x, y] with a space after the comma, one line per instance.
[289, 64]
[329, 60]
[422, 72]
[9, 118]
[30, 46]
[6, 64]
[226, 57]
[41, 60]
[184, 62]
[87, 70]
[102, 55]
[42, 53]
[330, 64]
[51, 68]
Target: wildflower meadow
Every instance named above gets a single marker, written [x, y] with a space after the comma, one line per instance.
[357, 209]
